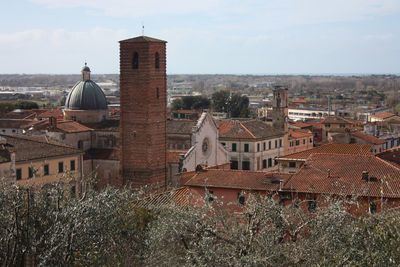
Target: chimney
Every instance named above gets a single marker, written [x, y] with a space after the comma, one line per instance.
[53, 122]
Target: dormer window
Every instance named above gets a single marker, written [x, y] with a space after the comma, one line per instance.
[157, 60]
[135, 61]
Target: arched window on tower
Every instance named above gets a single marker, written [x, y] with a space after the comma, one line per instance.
[157, 60]
[135, 61]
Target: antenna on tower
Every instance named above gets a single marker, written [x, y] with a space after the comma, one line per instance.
[142, 29]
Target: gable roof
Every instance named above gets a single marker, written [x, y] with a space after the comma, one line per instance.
[341, 174]
[383, 115]
[251, 129]
[28, 148]
[237, 179]
[368, 138]
[56, 113]
[336, 119]
[331, 148]
[71, 127]
[180, 126]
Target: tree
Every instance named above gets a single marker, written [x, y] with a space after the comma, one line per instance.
[220, 100]
[26, 104]
[6, 107]
[191, 102]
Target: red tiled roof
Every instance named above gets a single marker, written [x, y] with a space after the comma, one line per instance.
[300, 124]
[300, 101]
[383, 115]
[332, 148]
[56, 113]
[250, 129]
[316, 123]
[237, 179]
[336, 119]
[342, 175]
[177, 196]
[368, 138]
[71, 127]
[298, 134]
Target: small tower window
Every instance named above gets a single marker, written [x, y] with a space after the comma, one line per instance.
[157, 61]
[135, 61]
[158, 93]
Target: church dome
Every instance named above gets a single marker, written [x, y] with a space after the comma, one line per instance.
[86, 94]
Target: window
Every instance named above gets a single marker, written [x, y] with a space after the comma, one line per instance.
[234, 147]
[46, 169]
[246, 165]
[72, 165]
[80, 144]
[246, 147]
[297, 142]
[13, 131]
[342, 125]
[158, 93]
[264, 164]
[280, 142]
[258, 147]
[210, 196]
[234, 165]
[304, 141]
[61, 167]
[73, 118]
[222, 143]
[269, 144]
[241, 198]
[275, 162]
[157, 60]
[310, 140]
[372, 207]
[135, 61]
[269, 162]
[19, 174]
[276, 143]
[292, 164]
[327, 125]
[265, 146]
[312, 204]
[30, 172]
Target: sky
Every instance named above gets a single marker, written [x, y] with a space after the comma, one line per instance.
[204, 37]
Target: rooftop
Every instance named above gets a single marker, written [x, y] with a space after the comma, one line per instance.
[332, 148]
[250, 129]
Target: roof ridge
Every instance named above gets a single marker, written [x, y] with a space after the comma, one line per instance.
[387, 162]
[247, 130]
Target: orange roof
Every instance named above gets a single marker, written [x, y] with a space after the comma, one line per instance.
[177, 196]
[336, 119]
[316, 123]
[332, 148]
[71, 127]
[56, 113]
[300, 124]
[237, 179]
[383, 115]
[298, 134]
[299, 101]
[248, 129]
[368, 138]
[341, 174]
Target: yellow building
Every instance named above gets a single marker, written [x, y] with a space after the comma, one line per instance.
[36, 161]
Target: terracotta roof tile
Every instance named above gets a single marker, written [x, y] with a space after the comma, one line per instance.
[299, 134]
[342, 174]
[56, 113]
[71, 127]
[336, 119]
[237, 179]
[177, 196]
[383, 115]
[368, 138]
[332, 148]
[28, 148]
[250, 129]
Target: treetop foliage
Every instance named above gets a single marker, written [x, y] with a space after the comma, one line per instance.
[51, 227]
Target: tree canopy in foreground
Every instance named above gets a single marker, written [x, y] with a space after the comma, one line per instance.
[51, 227]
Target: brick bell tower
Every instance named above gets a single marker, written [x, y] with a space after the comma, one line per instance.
[143, 94]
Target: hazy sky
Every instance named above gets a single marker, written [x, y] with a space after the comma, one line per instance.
[204, 36]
